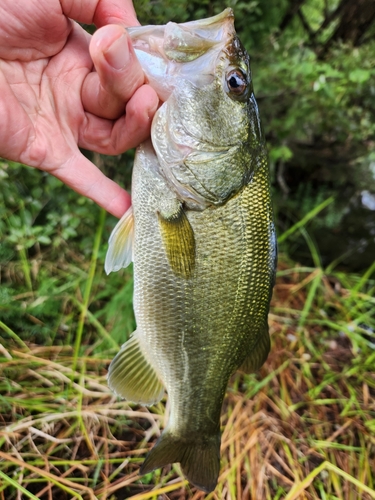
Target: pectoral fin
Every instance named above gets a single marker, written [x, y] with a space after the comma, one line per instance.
[120, 244]
[178, 239]
[259, 354]
[131, 375]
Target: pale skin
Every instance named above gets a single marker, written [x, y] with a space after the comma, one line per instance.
[61, 89]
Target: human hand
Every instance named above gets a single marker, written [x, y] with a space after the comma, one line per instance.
[52, 101]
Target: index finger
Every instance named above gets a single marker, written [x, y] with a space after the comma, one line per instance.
[101, 12]
[85, 178]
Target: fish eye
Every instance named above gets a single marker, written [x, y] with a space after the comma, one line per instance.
[237, 82]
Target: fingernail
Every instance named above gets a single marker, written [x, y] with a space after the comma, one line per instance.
[117, 54]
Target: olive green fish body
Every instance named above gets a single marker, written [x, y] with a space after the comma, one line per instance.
[204, 254]
[199, 331]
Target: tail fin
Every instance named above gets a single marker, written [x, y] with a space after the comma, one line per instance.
[199, 459]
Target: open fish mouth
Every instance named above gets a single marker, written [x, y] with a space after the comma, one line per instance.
[186, 51]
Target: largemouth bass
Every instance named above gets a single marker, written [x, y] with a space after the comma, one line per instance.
[202, 239]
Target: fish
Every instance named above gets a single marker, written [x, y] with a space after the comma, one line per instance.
[202, 239]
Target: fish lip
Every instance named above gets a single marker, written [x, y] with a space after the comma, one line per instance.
[228, 13]
[204, 29]
[173, 51]
[208, 21]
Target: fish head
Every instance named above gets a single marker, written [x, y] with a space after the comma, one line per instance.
[207, 133]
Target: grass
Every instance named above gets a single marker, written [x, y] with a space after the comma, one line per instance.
[301, 428]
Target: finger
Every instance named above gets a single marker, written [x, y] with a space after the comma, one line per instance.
[115, 12]
[118, 73]
[85, 178]
[101, 12]
[115, 137]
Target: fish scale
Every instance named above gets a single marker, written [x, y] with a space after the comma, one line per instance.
[204, 246]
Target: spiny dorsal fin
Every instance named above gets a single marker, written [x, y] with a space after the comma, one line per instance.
[259, 353]
[131, 375]
[179, 242]
[120, 244]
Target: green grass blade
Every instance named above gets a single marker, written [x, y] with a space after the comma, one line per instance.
[99, 327]
[297, 489]
[364, 279]
[44, 474]
[305, 219]
[16, 485]
[13, 335]
[257, 387]
[312, 247]
[159, 491]
[310, 298]
[25, 267]
[88, 287]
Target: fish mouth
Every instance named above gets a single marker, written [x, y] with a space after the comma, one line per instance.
[188, 50]
[189, 37]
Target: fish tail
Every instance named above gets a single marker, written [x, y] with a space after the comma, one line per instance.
[199, 458]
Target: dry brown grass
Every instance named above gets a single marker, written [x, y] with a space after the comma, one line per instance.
[303, 428]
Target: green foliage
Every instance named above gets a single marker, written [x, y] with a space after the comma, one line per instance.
[36, 209]
[307, 97]
[46, 235]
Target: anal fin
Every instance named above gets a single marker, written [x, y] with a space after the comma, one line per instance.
[259, 353]
[131, 375]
